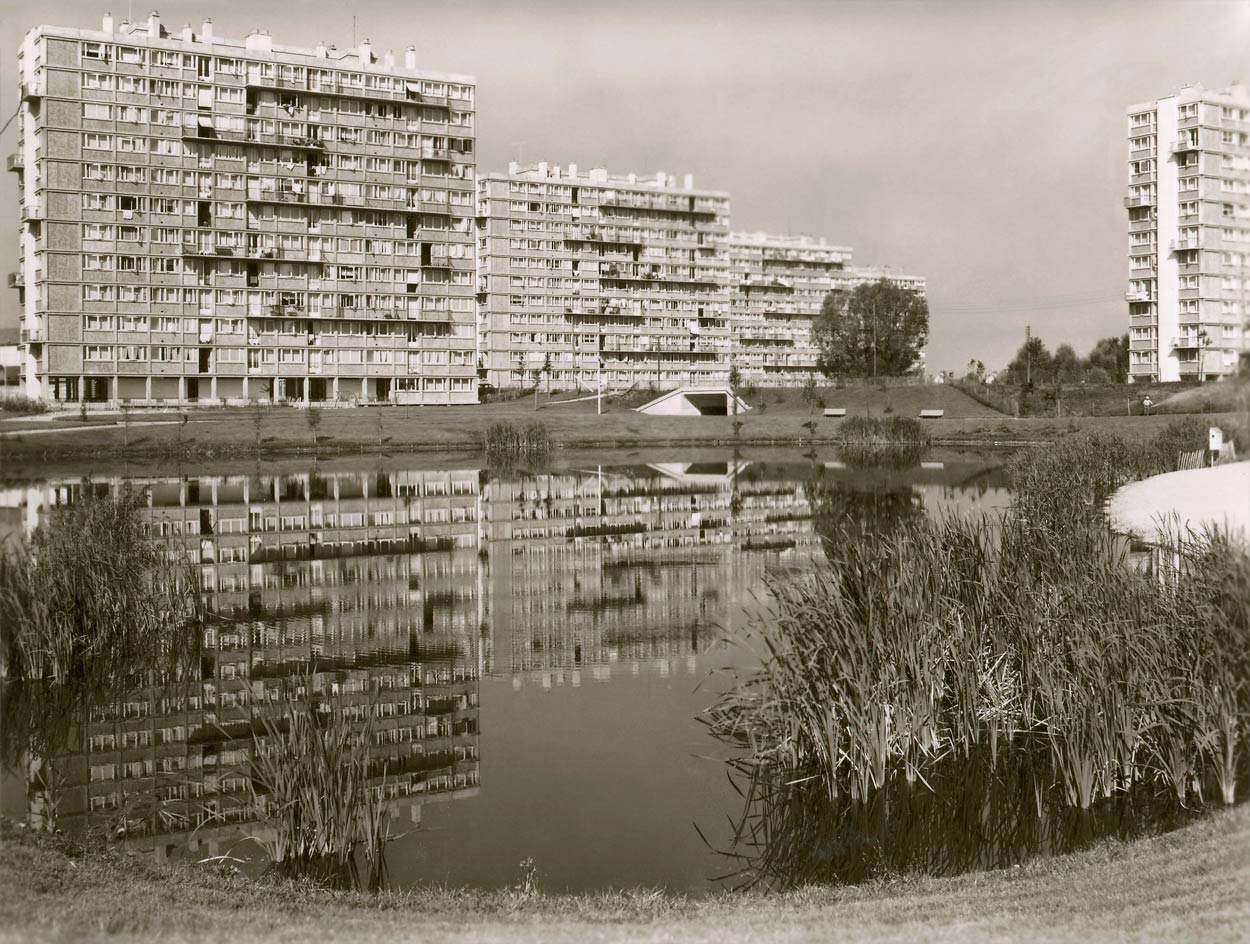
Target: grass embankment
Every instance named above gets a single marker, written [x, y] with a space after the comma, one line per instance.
[1190, 885]
[276, 432]
[1080, 400]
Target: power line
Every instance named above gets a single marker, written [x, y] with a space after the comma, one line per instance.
[1043, 306]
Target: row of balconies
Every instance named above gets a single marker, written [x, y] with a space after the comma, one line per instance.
[340, 90]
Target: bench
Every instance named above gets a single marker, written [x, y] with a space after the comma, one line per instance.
[932, 414]
[836, 411]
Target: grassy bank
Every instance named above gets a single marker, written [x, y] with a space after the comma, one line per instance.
[1084, 399]
[1190, 885]
[279, 432]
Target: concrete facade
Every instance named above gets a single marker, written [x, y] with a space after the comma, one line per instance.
[583, 271]
[217, 220]
[779, 284]
[1188, 208]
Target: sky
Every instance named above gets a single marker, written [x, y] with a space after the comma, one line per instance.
[981, 145]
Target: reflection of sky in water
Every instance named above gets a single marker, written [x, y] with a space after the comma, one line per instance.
[541, 644]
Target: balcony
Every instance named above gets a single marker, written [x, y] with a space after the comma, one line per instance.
[1131, 202]
[213, 252]
[31, 336]
[1191, 242]
[32, 90]
[1137, 297]
[207, 134]
[16, 280]
[1188, 143]
[14, 162]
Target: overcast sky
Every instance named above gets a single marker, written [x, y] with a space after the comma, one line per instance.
[978, 144]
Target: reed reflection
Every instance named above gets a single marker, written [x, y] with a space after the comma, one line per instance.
[391, 594]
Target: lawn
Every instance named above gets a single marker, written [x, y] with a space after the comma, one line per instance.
[775, 417]
[1190, 885]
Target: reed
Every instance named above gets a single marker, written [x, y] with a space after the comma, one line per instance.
[893, 441]
[319, 815]
[508, 446]
[1025, 643]
[90, 609]
[878, 430]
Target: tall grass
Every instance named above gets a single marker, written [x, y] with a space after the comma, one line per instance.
[90, 609]
[509, 446]
[1070, 480]
[942, 657]
[320, 817]
[898, 441]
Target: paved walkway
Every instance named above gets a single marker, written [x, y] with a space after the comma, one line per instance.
[1189, 500]
[81, 429]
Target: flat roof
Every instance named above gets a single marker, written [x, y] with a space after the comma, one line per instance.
[349, 59]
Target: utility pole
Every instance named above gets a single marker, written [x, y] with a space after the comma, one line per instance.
[874, 340]
[1028, 356]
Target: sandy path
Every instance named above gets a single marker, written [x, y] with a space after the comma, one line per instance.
[1192, 499]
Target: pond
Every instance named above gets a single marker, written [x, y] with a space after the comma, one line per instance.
[541, 645]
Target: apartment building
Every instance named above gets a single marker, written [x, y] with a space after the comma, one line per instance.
[359, 585]
[207, 219]
[779, 284]
[583, 272]
[1188, 208]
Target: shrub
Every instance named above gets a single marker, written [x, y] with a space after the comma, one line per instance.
[23, 404]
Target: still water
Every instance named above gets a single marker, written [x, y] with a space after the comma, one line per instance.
[541, 645]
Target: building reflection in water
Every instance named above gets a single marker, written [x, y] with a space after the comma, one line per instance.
[398, 590]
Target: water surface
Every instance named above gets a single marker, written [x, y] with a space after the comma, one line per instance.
[541, 644]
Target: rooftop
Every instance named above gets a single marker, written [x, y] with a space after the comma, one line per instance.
[659, 181]
[257, 45]
[785, 241]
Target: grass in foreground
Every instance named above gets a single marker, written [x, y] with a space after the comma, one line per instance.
[1190, 885]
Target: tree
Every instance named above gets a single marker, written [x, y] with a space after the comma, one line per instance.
[735, 378]
[877, 330]
[313, 415]
[1111, 354]
[547, 371]
[1032, 363]
[1067, 366]
[976, 371]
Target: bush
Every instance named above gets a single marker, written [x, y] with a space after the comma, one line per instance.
[23, 404]
[1096, 375]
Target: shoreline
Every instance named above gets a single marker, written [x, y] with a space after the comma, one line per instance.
[280, 435]
[1190, 884]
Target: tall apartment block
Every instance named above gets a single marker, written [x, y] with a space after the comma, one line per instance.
[208, 219]
[779, 284]
[580, 272]
[1189, 234]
